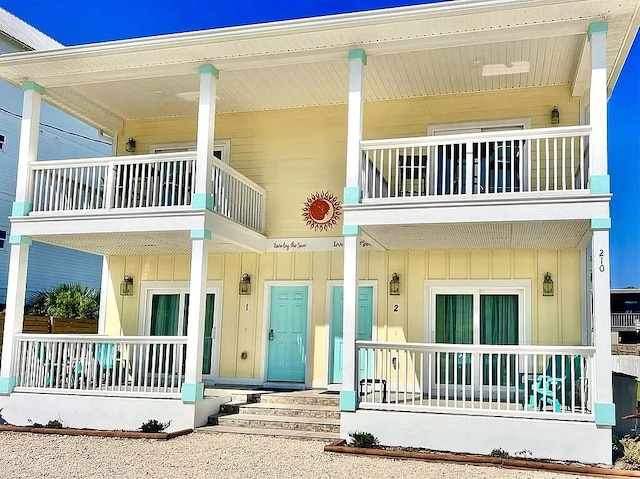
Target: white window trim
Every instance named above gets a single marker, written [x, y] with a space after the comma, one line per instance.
[222, 145]
[149, 288]
[521, 287]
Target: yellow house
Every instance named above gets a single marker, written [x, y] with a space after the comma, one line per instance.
[410, 206]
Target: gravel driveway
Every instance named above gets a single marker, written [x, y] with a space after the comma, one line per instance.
[213, 455]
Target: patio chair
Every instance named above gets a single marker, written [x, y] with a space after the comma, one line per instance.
[555, 387]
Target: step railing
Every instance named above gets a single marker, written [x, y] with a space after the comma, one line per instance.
[165, 180]
[136, 366]
[479, 164]
[625, 320]
[533, 381]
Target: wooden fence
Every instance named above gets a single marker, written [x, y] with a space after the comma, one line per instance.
[46, 325]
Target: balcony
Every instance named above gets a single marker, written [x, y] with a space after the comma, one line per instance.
[489, 165]
[625, 321]
[140, 184]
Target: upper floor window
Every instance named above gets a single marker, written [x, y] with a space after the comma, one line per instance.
[220, 149]
[2, 142]
[3, 237]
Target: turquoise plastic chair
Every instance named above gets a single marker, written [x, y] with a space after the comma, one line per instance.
[556, 384]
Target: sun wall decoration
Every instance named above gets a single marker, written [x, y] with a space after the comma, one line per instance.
[321, 211]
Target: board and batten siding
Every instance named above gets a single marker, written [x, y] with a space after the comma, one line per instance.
[295, 153]
[556, 320]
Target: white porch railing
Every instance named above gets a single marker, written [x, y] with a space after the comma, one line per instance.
[625, 321]
[141, 181]
[143, 366]
[489, 163]
[531, 381]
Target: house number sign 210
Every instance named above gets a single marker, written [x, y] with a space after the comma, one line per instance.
[601, 256]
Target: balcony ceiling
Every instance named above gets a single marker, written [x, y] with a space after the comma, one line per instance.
[525, 235]
[434, 49]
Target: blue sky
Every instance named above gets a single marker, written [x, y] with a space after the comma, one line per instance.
[74, 22]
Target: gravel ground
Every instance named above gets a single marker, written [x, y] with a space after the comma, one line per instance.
[212, 455]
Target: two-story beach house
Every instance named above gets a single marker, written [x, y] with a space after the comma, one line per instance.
[400, 205]
[62, 136]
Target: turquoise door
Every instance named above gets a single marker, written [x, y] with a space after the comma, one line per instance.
[365, 326]
[287, 356]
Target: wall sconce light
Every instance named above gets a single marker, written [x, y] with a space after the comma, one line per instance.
[555, 116]
[130, 145]
[245, 285]
[547, 285]
[126, 287]
[394, 285]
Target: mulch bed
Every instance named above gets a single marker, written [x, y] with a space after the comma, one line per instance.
[473, 459]
[96, 432]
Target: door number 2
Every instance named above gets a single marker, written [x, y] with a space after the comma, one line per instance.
[396, 308]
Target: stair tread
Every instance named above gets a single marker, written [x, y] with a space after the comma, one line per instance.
[270, 432]
[296, 406]
[290, 419]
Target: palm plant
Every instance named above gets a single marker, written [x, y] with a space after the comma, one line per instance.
[66, 301]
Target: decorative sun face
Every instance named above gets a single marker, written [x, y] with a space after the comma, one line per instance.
[321, 211]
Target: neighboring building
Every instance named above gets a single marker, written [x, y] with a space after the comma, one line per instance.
[625, 315]
[61, 137]
[450, 159]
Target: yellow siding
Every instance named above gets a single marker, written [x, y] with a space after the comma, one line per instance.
[555, 320]
[297, 152]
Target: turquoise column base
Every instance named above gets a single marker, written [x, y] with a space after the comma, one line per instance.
[605, 414]
[192, 392]
[7, 385]
[348, 401]
[202, 200]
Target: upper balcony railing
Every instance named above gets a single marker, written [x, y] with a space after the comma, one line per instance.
[142, 181]
[625, 321]
[488, 164]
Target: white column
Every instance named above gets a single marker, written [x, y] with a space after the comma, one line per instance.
[205, 136]
[352, 195]
[29, 132]
[14, 314]
[598, 104]
[601, 313]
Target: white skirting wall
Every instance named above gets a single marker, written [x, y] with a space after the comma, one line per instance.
[110, 413]
[545, 439]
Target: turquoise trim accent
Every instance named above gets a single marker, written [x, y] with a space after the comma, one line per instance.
[19, 239]
[200, 234]
[605, 414]
[209, 69]
[192, 392]
[7, 385]
[600, 184]
[348, 401]
[350, 230]
[31, 85]
[202, 200]
[358, 54]
[21, 208]
[352, 195]
[599, 27]
[600, 224]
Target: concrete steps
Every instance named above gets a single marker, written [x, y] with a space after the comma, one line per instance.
[302, 414]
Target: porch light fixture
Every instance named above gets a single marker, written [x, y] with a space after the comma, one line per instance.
[245, 285]
[130, 145]
[394, 285]
[555, 116]
[547, 285]
[126, 287]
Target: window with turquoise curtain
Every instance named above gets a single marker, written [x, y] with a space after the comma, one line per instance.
[499, 326]
[208, 327]
[454, 325]
[165, 314]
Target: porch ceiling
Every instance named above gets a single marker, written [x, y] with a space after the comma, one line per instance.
[526, 235]
[433, 49]
[139, 244]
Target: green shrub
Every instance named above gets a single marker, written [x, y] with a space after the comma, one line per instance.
[54, 424]
[153, 425]
[363, 439]
[66, 301]
[499, 452]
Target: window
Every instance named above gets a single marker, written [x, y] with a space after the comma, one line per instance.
[220, 149]
[2, 141]
[3, 237]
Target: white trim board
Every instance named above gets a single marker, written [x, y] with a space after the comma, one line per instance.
[266, 309]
